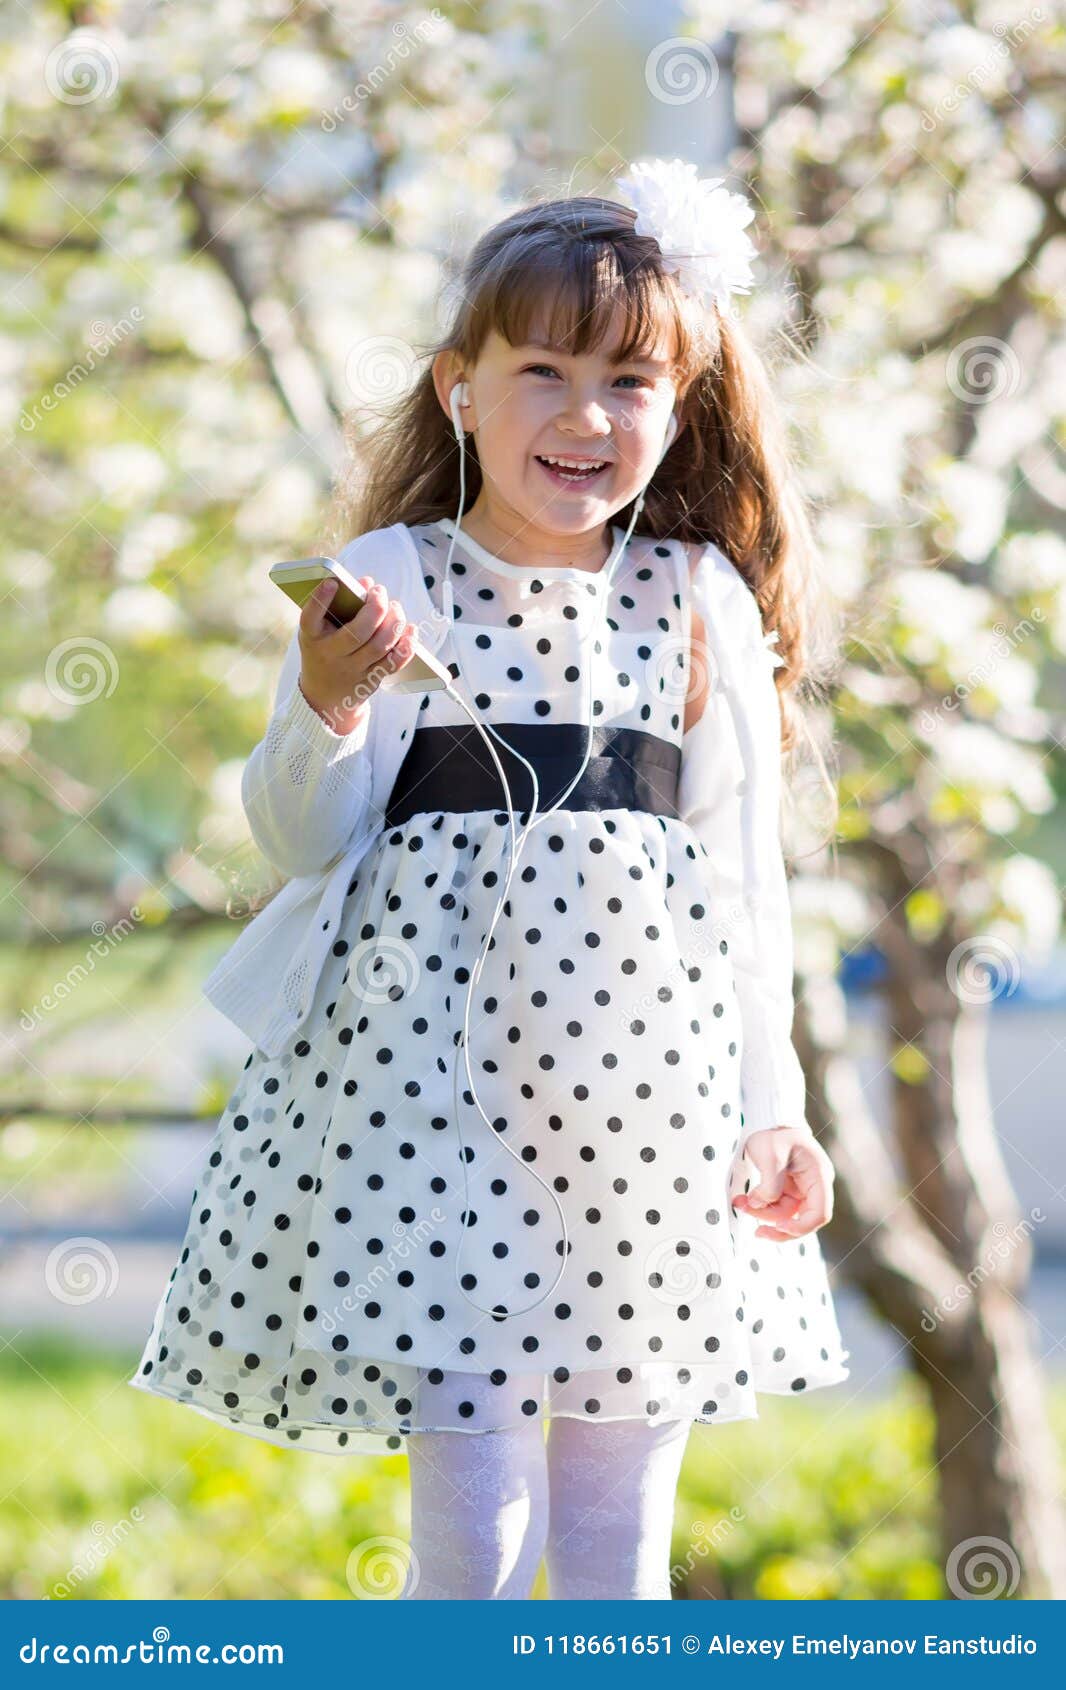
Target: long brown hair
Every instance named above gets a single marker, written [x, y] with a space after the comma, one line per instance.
[728, 477]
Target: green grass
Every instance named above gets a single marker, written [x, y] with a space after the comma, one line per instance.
[811, 1501]
[112, 1494]
[116, 1495]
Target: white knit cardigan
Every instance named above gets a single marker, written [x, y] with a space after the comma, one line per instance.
[315, 802]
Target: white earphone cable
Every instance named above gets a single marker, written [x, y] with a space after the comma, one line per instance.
[516, 844]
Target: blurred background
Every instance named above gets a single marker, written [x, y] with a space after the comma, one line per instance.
[224, 232]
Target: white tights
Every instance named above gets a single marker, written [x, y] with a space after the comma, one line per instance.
[596, 1500]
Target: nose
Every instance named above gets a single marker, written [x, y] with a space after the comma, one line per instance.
[585, 419]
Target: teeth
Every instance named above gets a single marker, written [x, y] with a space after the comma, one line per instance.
[575, 463]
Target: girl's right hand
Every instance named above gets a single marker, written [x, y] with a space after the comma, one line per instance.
[340, 668]
[794, 1195]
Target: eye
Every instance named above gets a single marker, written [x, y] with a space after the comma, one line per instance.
[640, 379]
[532, 368]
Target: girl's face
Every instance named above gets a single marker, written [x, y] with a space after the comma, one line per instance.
[533, 403]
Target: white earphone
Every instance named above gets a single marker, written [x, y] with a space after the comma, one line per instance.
[459, 396]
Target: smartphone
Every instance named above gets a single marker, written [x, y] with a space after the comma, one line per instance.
[298, 579]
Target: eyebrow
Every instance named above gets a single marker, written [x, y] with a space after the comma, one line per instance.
[550, 346]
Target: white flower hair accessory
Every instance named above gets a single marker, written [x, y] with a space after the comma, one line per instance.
[698, 224]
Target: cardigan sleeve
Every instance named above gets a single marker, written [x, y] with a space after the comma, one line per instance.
[305, 789]
[734, 753]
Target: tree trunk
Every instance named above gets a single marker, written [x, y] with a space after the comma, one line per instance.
[944, 1258]
[1001, 1522]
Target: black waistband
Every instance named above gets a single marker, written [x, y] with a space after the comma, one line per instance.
[451, 769]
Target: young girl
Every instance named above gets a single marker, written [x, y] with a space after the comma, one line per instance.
[519, 1053]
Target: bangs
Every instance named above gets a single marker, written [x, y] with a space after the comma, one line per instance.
[574, 293]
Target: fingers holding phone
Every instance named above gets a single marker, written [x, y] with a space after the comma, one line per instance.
[341, 667]
[316, 619]
[377, 628]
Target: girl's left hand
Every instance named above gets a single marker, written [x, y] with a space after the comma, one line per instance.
[795, 1191]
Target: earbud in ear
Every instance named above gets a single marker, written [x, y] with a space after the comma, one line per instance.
[460, 395]
[671, 434]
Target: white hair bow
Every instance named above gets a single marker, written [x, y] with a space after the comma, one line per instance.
[698, 224]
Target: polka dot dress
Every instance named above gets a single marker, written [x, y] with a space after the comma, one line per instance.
[315, 1301]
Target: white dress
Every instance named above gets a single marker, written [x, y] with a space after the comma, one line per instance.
[314, 1302]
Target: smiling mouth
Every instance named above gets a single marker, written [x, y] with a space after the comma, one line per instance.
[573, 472]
